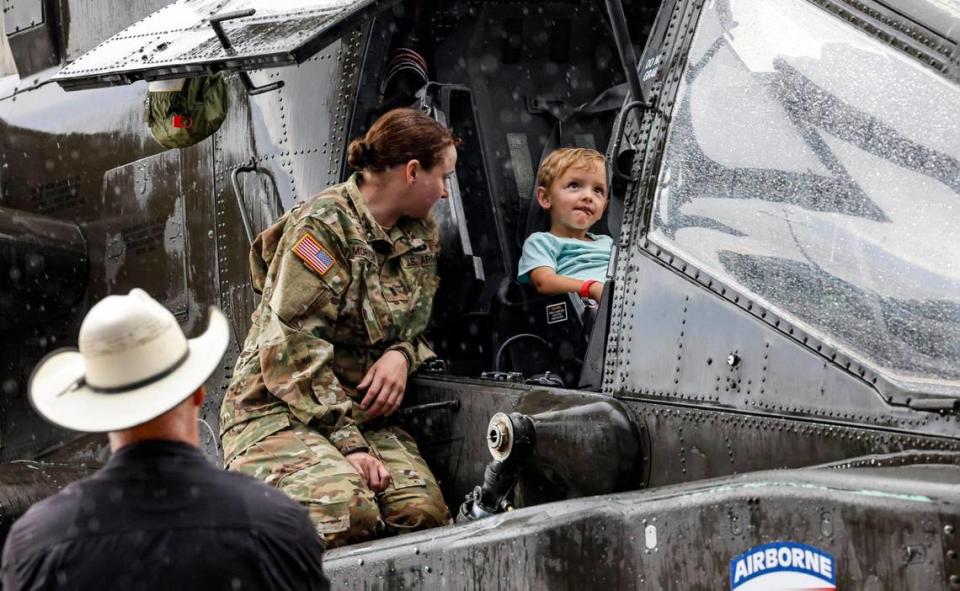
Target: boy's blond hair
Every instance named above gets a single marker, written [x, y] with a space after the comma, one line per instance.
[561, 160]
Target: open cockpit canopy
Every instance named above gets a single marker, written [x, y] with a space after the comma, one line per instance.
[181, 39]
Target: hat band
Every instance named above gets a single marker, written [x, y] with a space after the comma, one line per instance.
[133, 386]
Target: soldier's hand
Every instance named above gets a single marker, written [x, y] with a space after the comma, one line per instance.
[384, 385]
[371, 469]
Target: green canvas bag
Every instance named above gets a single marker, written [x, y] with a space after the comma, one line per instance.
[184, 112]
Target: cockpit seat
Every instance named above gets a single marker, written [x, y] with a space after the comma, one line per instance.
[562, 322]
[536, 334]
[479, 295]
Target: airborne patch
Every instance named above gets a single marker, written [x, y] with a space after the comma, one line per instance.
[314, 255]
[783, 566]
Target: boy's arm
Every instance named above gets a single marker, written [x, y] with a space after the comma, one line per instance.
[547, 282]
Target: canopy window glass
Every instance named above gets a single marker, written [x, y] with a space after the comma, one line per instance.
[179, 40]
[816, 168]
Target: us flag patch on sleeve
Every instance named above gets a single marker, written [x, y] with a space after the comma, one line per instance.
[314, 255]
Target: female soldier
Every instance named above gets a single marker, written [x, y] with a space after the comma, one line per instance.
[347, 283]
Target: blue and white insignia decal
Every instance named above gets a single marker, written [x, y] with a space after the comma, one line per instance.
[783, 566]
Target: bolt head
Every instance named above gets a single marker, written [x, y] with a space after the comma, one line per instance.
[948, 529]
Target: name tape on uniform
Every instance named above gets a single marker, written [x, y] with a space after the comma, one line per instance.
[418, 260]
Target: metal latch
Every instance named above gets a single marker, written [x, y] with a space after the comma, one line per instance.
[216, 22]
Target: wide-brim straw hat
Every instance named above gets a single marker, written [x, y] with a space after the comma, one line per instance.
[133, 365]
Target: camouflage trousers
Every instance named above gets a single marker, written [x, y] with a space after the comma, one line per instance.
[308, 468]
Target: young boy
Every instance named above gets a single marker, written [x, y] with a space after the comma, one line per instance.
[572, 187]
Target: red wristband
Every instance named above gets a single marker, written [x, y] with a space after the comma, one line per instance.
[585, 287]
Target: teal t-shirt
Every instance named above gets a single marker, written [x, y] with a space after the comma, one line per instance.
[569, 257]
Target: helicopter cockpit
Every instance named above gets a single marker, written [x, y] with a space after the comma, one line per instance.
[511, 80]
[533, 82]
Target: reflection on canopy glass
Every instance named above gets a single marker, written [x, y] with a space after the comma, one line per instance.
[817, 169]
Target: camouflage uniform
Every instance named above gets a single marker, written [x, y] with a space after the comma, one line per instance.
[338, 292]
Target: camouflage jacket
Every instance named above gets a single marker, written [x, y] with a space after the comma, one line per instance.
[337, 292]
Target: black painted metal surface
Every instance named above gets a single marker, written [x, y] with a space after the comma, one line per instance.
[46, 263]
[141, 238]
[596, 433]
[573, 430]
[690, 347]
[24, 483]
[685, 537]
[680, 441]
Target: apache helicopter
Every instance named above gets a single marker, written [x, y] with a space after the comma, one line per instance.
[768, 394]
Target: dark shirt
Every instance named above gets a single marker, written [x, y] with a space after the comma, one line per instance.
[159, 516]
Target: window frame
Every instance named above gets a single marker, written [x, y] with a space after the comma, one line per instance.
[912, 39]
[8, 67]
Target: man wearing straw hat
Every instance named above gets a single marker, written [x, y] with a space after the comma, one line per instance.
[158, 515]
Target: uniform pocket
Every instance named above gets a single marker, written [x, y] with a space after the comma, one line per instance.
[399, 453]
